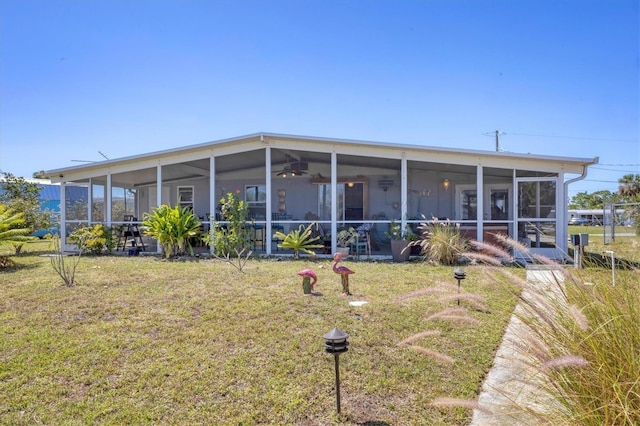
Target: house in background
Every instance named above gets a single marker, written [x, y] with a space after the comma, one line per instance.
[49, 199]
[291, 180]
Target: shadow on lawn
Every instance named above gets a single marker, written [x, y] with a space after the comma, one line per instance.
[595, 260]
[16, 267]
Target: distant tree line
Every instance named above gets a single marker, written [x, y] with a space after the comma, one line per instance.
[628, 192]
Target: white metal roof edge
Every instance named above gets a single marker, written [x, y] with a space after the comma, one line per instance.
[579, 160]
[100, 164]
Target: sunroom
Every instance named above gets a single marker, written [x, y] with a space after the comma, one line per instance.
[288, 181]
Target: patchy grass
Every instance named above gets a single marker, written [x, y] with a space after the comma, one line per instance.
[146, 341]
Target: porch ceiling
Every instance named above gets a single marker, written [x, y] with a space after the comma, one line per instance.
[249, 160]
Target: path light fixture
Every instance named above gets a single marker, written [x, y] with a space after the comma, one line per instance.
[459, 275]
[336, 344]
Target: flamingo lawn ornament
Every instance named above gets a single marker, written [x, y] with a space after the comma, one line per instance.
[308, 275]
[343, 271]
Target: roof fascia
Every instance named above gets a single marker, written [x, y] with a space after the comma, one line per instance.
[316, 144]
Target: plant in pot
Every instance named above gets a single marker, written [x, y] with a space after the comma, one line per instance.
[400, 240]
[298, 240]
[345, 238]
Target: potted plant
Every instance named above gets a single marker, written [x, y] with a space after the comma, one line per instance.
[345, 238]
[299, 240]
[400, 240]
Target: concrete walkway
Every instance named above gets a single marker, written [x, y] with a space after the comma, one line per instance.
[512, 388]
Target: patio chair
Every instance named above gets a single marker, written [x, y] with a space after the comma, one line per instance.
[363, 245]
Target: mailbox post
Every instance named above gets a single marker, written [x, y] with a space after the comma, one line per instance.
[579, 241]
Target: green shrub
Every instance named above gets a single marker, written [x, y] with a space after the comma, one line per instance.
[173, 228]
[92, 239]
[440, 241]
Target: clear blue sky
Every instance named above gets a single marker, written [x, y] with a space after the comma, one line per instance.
[80, 78]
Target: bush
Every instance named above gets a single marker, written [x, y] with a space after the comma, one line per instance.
[173, 228]
[440, 241]
[92, 239]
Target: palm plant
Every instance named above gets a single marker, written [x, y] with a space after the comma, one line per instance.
[11, 228]
[299, 240]
[629, 185]
[173, 228]
[629, 189]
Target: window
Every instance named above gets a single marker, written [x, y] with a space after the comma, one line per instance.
[185, 196]
[256, 198]
[351, 201]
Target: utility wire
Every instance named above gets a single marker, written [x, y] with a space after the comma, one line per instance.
[570, 137]
[614, 170]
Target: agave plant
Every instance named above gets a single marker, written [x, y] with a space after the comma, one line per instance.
[299, 240]
[173, 228]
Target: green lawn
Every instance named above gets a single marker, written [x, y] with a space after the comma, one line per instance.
[146, 341]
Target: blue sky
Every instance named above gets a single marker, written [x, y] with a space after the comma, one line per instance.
[81, 78]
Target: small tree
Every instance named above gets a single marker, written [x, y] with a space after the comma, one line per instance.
[232, 237]
[23, 197]
[65, 269]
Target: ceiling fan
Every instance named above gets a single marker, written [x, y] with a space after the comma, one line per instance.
[291, 170]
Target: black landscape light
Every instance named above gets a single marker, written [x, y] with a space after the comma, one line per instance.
[336, 344]
[459, 275]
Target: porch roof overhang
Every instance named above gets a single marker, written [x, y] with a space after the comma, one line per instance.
[193, 161]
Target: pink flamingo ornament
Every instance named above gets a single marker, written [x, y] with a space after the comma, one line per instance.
[343, 271]
[308, 275]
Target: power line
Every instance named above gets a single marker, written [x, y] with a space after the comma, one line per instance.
[570, 137]
[614, 170]
[605, 181]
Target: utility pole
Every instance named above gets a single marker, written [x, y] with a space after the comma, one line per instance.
[497, 141]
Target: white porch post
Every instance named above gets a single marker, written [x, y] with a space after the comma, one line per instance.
[514, 206]
[63, 215]
[90, 202]
[479, 203]
[561, 217]
[403, 191]
[108, 199]
[212, 195]
[158, 196]
[334, 200]
[267, 214]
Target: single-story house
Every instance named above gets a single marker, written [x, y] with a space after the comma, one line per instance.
[290, 180]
